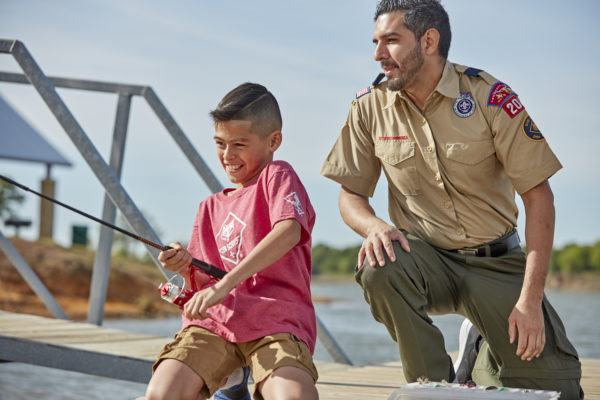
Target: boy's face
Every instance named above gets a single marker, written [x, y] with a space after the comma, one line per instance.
[244, 154]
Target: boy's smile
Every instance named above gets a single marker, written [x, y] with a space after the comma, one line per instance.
[243, 153]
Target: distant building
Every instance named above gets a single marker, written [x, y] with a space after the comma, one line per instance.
[21, 142]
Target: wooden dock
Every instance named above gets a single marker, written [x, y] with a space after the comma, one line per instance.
[129, 356]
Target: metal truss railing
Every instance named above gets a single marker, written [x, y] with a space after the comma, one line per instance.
[109, 174]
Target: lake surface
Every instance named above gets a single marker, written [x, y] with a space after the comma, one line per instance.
[347, 317]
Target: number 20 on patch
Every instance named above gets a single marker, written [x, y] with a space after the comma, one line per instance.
[513, 106]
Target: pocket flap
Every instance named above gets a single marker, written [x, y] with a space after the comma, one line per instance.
[394, 151]
[470, 153]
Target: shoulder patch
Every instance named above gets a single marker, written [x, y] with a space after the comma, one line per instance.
[472, 71]
[531, 130]
[513, 106]
[499, 92]
[363, 92]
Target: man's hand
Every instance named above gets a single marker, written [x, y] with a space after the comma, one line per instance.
[380, 238]
[176, 259]
[527, 322]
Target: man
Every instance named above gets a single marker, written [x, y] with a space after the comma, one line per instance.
[455, 144]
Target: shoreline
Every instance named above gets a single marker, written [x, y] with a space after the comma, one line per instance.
[132, 289]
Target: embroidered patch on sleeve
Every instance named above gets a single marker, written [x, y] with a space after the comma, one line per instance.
[295, 200]
[531, 130]
[498, 94]
[513, 106]
[363, 92]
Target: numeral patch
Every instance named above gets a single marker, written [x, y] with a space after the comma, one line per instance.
[513, 106]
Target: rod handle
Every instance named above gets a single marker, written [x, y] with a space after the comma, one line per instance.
[204, 266]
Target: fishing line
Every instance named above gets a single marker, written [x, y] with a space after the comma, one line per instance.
[207, 268]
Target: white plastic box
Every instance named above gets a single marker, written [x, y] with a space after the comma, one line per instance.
[442, 390]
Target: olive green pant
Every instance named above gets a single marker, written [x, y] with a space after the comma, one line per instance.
[433, 281]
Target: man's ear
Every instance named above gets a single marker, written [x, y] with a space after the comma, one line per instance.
[275, 139]
[430, 42]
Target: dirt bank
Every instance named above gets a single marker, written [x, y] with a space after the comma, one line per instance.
[66, 272]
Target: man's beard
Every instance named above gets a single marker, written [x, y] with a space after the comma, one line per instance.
[411, 64]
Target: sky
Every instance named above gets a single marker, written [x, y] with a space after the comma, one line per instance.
[313, 55]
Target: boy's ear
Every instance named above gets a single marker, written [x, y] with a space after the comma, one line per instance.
[275, 138]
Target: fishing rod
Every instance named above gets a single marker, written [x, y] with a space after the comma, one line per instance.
[204, 266]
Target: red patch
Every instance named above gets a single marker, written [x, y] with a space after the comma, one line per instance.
[393, 138]
[500, 91]
[513, 106]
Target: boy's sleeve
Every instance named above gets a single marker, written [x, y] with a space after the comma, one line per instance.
[288, 200]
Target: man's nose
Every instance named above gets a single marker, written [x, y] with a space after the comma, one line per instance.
[380, 52]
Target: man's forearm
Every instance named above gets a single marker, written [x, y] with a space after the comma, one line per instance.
[356, 211]
[539, 236]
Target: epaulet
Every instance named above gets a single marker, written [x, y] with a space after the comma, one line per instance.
[378, 80]
[368, 89]
[476, 72]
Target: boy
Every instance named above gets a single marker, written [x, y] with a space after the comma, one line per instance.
[260, 314]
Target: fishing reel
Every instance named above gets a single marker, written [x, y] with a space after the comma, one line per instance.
[172, 293]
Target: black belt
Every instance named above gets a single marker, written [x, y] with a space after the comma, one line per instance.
[495, 248]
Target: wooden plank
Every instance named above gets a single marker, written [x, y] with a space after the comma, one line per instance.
[129, 356]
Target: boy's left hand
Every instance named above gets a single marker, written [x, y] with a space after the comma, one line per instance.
[197, 306]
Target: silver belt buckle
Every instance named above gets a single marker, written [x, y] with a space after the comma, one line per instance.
[467, 252]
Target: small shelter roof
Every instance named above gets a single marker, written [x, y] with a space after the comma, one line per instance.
[20, 141]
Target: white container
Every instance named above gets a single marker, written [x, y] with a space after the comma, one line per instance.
[442, 390]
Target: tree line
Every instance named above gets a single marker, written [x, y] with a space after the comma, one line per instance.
[568, 260]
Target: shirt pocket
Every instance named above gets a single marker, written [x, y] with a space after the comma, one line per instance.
[399, 162]
[470, 153]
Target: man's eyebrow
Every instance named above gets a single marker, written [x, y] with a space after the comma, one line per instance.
[387, 35]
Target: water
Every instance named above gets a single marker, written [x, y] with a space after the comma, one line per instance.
[347, 318]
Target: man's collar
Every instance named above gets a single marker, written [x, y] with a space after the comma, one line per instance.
[447, 86]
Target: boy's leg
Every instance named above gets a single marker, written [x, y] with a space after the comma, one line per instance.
[282, 367]
[288, 383]
[173, 379]
[400, 295]
[194, 352]
[489, 292]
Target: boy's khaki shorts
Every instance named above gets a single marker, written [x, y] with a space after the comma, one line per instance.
[214, 359]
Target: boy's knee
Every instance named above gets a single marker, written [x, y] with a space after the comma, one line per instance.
[161, 392]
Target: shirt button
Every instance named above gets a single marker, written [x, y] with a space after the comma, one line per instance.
[460, 231]
[429, 149]
[447, 204]
[424, 121]
[437, 177]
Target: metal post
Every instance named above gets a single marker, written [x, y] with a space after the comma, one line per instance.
[101, 270]
[31, 278]
[182, 141]
[105, 175]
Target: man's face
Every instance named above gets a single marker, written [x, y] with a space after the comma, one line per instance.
[397, 50]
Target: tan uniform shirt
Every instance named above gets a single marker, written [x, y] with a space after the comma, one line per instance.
[452, 169]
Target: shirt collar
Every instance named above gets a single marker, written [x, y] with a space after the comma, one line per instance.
[447, 86]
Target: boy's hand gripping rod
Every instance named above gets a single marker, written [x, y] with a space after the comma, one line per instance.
[207, 268]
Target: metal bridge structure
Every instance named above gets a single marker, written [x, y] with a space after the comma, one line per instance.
[108, 175]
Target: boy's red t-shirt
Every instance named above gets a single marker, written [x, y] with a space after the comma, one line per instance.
[227, 228]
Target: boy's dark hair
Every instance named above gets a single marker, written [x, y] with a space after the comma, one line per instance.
[250, 102]
[419, 16]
